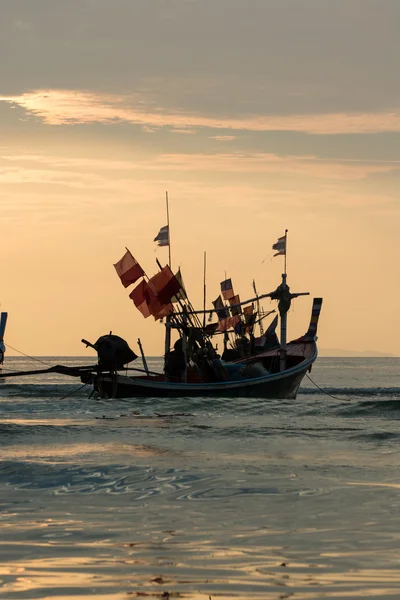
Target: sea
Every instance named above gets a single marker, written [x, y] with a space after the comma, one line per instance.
[201, 499]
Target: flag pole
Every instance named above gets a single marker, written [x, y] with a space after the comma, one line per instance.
[169, 238]
[284, 286]
[168, 318]
[286, 232]
[204, 290]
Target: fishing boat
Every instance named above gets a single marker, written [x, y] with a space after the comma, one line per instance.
[3, 322]
[272, 373]
[253, 362]
[250, 365]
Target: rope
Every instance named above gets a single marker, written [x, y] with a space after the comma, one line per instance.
[74, 392]
[47, 365]
[30, 357]
[327, 393]
[266, 258]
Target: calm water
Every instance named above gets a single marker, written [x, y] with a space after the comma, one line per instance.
[231, 499]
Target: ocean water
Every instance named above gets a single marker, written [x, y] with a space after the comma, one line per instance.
[202, 498]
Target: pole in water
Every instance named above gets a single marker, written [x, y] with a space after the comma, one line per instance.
[167, 347]
[146, 368]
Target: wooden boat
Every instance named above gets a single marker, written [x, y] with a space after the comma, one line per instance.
[274, 372]
[265, 372]
[3, 322]
[279, 384]
[261, 366]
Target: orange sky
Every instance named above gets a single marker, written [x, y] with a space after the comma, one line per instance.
[254, 119]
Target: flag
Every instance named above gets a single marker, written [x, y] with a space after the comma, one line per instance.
[280, 246]
[229, 323]
[147, 302]
[249, 318]
[165, 285]
[159, 311]
[128, 269]
[162, 238]
[140, 298]
[222, 312]
[211, 328]
[248, 310]
[181, 295]
[239, 328]
[227, 289]
[225, 321]
[235, 310]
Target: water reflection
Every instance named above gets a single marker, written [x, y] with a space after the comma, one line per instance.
[190, 570]
[166, 499]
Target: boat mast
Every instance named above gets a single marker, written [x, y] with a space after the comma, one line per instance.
[283, 351]
[286, 232]
[285, 289]
[258, 309]
[204, 289]
[169, 237]
[167, 346]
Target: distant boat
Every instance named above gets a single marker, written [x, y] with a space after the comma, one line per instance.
[3, 322]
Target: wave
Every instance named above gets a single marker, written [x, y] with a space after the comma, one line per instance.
[140, 482]
[40, 390]
[388, 392]
[60, 390]
[378, 436]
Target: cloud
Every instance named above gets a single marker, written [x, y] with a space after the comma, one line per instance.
[105, 174]
[223, 138]
[63, 107]
[182, 130]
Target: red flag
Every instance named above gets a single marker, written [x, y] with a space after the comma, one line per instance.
[249, 317]
[165, 285]
[235, 310]
[222, 312]
[248, 310]
[138, 295]
[225, 322]
[157, 308]
[228, 323]
[128, 269]
[146, 301]
[227, 289]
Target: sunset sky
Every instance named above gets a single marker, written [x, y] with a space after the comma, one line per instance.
[255, 115]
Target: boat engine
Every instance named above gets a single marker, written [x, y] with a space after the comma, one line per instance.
[113, 352]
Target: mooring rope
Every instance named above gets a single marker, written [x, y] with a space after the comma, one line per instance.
[74, 392]
[28, 356]
[327, 393]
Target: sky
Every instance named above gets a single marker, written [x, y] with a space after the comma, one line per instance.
[255, 115]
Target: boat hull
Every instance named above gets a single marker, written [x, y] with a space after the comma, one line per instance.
[283, 385]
